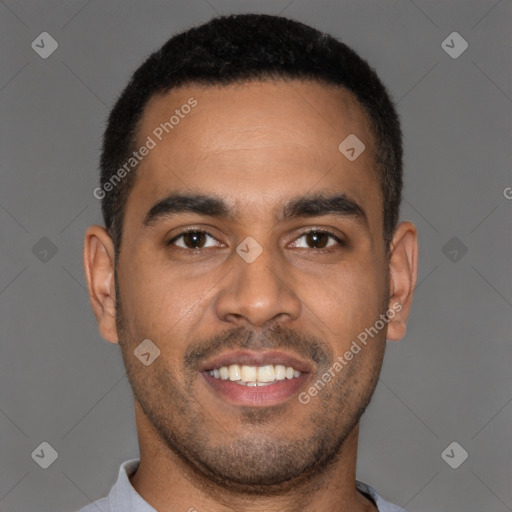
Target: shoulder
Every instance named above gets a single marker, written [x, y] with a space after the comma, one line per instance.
[122, 496]
[381, 504]
[101, 505]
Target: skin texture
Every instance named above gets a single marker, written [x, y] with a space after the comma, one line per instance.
[255, 146]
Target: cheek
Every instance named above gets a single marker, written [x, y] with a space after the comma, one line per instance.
[163, 302]
[346, 300]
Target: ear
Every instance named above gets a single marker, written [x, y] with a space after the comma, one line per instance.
[403, 273]
[99, 259]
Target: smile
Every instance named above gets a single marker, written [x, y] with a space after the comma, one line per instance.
[256, 379]
[255, 375]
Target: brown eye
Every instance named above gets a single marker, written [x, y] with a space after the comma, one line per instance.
[193, 240]
[316, 239]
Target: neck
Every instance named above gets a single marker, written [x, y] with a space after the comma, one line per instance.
[170, 484]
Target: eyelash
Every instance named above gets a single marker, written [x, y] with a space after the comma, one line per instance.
[340, 242]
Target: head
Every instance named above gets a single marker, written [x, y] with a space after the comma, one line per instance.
[244, 230]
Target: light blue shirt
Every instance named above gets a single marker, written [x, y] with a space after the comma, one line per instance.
[124, 498]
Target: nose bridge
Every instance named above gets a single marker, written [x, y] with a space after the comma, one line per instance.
[257, 291]
[259, 277]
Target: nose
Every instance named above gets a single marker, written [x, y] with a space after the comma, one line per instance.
[257, 294]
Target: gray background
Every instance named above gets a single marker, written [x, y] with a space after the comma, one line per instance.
[448, 380]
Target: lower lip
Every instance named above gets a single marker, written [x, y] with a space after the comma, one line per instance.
[256, 396]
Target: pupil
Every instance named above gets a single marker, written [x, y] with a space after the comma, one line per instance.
[318, 240]
[194, 240]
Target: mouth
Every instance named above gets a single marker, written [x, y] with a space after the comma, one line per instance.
[256, 378]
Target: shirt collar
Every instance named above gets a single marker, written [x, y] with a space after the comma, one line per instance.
[124, 498]
[381, 504]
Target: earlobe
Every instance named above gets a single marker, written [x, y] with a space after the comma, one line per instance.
[403, 273]
[99, 266]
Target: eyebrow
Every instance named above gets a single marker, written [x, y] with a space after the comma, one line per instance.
[311, 205]
[193, 203]
[319, 204]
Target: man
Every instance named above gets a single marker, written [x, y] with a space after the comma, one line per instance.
[252, 267]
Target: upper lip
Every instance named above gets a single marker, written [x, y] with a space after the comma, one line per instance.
[261, 358]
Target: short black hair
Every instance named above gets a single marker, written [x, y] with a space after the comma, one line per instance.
[240, 48]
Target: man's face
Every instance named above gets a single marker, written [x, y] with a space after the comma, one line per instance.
[256, 148]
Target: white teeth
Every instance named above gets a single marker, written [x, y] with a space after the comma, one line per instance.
[234, 372]
[249, 373]
[255, 375]
[280, 371]
[266, 373]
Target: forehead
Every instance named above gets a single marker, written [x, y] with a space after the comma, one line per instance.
[253, 144]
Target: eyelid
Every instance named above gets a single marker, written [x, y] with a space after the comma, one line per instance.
[341, 242]
[191, 230]
[325, 231]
